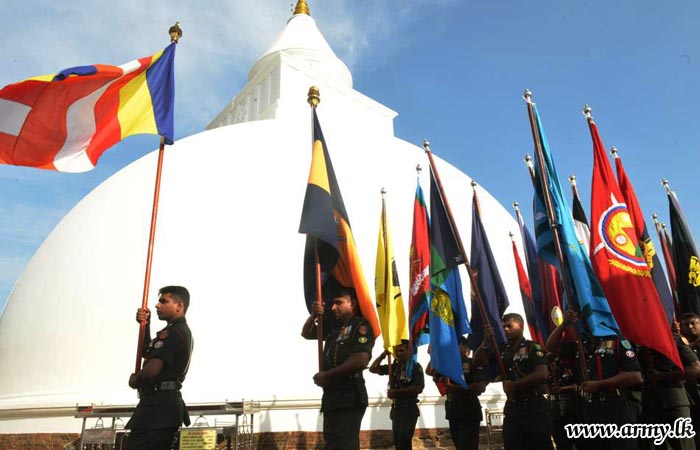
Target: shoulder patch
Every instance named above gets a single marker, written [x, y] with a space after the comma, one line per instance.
[362, 330]
[629, 354]
[626, 344]
[537, 346]
[158, 344]
[539, 353]
[162, 334]
[362, 339]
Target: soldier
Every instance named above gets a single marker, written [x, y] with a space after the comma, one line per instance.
[562, 387]
[612, 368]
[403, 392]
[664, 397]
[690, 330]
[347, 351]
[462, 407]
[161, 410]
[527, 423]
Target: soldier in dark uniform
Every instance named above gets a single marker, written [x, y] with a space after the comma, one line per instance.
[690, 330]
[664, 397]
[462, 407]
[161, 410]
[562, 387]
[403, 392]
[347, 351]
[612, 368]
[527, 423]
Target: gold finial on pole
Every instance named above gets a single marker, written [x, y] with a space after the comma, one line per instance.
[613, 151]
[512, 236]
[655, 218]
[587, 112]
[527, 95]
[516, 206]
[473, 183]
[528, 159]
[572, 179]
[426, 145]
[663, 225]
[314, 97]
[175, 32]
[302, 8]
[664, 183]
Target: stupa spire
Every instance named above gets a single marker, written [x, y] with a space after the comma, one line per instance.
[302, 8]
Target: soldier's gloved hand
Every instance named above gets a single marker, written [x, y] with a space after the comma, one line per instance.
[321, 379]
[143, 315]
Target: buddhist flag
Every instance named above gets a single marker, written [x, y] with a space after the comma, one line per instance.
[390, 309]
[685, 259]
[327, 227]
[448, 314]
[589, 296]
[66, 121]
[419, 277]
[489, 283]
[646, 246]
[620, 264]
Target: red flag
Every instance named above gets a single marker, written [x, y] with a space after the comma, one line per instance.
[619, 263]
[528, 302]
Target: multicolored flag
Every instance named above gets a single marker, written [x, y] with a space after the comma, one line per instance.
[448, 314]
[528, 302]
[325, 222]
[544, 281]
[390, 309]
[642, 235]
[488, 280]
[419, 277]
[685, 259]
[66, 121]
[579, 215]
[665, 240]
[620, 264]
[589, 296]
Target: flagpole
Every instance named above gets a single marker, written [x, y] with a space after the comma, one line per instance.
[572, 182]
[314, 98]
[553, 225]
[668, 259]
[175, 33]
[470, 271]
[388, 269]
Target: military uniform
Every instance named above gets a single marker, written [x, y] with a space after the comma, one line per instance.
[693, 391]
[404, 409]
[527, 422]
[161, 410]
[666, 400]
[561, 385]
[344, 400]
[463, 410]
[610, 356]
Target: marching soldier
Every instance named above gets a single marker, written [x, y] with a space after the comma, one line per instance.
[527, 423]
[664, 397]
[346, 353]
[403, 392]
[462, 406]
[612, 368]
[161, 410]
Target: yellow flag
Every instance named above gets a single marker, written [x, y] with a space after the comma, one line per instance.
[390, 309]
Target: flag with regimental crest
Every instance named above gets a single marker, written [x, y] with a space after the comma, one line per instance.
[685, 259]
[620, 264]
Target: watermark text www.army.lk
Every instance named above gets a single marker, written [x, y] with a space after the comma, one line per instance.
[682, 428]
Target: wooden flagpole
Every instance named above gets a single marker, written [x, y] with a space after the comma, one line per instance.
[314, 98]
[553, 224]
[175, 33]
[470, 271]
[388, 269]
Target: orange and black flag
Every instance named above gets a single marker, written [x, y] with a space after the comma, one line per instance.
[328, 234]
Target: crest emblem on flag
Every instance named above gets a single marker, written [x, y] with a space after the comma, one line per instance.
[614, 228]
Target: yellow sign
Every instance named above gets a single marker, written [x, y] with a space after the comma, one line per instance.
[198, 439]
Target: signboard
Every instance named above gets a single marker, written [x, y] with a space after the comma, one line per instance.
[198, 439]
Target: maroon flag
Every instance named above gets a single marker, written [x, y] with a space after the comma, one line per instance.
[620, 264]
[528, 302]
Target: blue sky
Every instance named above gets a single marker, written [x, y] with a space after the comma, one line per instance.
[454, 70]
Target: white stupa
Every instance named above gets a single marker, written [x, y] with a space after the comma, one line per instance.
[229, 212]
